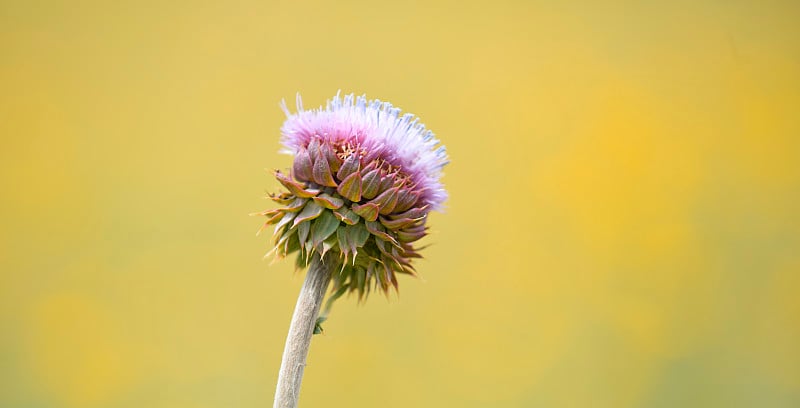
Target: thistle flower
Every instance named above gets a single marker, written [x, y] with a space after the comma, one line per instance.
[358, 195]
[363, 180]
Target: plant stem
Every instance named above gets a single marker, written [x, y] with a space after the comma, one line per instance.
[300, 331]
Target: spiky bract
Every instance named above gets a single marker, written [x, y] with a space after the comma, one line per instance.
[361, 185]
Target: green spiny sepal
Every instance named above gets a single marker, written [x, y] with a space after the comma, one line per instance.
[361, 210]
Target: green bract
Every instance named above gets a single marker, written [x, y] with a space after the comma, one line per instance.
[363, 211]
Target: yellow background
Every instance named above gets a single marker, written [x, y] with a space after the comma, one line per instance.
[622, 231]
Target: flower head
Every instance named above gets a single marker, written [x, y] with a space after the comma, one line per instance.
[363, 180]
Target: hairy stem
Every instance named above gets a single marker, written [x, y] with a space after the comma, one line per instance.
[300, 331]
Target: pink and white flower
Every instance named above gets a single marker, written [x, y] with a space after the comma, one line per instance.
[363, 180]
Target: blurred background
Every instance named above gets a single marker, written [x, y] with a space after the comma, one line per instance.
[622, 230]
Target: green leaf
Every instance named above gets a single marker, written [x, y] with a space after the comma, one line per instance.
[328, 244]
[405, 199]
[309, 212]
[386, 183]
[415, 213]
[296, 205]
[323, 227]
[351, 165]
[329, 201]
[287, 218]
[274, 215]
[344, 240]
[386, 200]
[295, 187]
[375, 228]
[282, 198]
[410, 236]
[335, 295]
[292, 245]
[358, 235]
[368, 211]
[361, 280]
[318, 324]
[370, 184]
[395, 225]
[350, 187]
[347, 216]
[302, 232]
